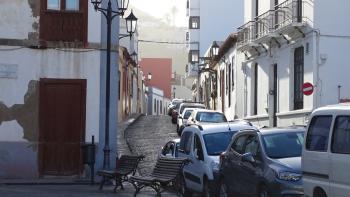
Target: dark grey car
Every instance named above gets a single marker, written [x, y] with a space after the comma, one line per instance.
[262, 163]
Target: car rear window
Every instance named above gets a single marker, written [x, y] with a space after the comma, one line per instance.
[210, 117]
[216, 143]
[318, 133]
[190, 106]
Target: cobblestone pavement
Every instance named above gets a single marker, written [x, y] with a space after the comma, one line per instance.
[147, 135]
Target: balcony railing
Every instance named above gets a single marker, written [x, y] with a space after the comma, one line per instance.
[284, 14]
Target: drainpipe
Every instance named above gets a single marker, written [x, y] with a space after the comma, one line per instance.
[317, 82]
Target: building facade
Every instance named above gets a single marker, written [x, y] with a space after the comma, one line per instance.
[160, 69]
[204, 28]
[53, 87]
[287, 60]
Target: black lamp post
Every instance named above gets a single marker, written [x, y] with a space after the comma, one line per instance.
[110, 14]
[214, 51]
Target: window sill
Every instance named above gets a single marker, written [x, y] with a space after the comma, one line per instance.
[256, 117]
[63, 11]
[294, 112]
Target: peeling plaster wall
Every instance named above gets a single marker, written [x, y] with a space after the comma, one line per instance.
[19, 102]
[19, 19]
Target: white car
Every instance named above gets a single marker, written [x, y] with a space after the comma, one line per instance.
[203, 144]
[326, 153]
[182, 120]
[200, 116]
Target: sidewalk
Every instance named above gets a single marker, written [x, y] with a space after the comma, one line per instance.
[71, 186]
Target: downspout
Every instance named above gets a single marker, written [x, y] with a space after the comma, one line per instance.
[317, 81]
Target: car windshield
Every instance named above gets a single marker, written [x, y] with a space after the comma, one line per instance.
[216, 143]
[187, 114]
[210, 117]
[283, 145]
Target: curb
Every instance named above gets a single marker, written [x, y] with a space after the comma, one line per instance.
[132, 123]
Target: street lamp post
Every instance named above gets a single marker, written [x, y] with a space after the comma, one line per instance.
[110, 14]
[174, 88]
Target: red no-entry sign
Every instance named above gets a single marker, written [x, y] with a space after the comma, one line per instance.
[308, 88]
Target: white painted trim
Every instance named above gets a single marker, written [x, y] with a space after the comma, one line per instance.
[295, 112]
[256, 117]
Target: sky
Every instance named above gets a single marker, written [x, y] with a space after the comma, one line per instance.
[172, 11]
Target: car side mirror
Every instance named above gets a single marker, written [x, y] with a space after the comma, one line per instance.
[248, 157]
[168, 155]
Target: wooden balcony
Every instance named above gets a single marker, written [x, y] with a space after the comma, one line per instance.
[63, 26]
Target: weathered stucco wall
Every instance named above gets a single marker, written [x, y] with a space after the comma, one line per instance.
[19, 101]
[19, 19]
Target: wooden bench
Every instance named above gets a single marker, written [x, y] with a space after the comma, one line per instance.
[165, 175]
[126, 165]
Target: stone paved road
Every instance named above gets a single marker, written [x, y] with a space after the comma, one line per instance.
[147, 135]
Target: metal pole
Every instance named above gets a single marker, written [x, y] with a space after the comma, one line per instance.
[106, 149]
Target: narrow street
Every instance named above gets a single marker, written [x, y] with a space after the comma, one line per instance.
[147, 135]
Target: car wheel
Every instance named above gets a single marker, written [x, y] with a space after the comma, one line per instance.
[263, 192]
[223, 189]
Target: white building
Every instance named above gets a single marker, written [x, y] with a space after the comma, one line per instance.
[53, 87]
[281, 46]
[157, 103]
[206, 27]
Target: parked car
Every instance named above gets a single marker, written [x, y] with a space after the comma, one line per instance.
[199, 116]
[182, 107]
[174, 103]
[203, 144]
[170, 149]
[265, 162]
[182, 120]
[326, 152]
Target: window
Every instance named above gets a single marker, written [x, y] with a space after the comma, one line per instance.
[198, 146]
[252, 146]
[72, 5]
[317, 136]
[193, 56]
[187, 36]
[283, 144]
[53, 5]
[255, 90]
[238, 145]
[256, 7]
[194, 22]
[298, 78]
[155, 105]
[341, 135]
[233, 78]
[64, 20]
[185, 143]
[216, 143]
[229, 84]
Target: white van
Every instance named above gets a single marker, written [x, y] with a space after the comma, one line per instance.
[326, 153]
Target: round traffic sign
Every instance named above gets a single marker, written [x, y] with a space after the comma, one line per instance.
[308, 88]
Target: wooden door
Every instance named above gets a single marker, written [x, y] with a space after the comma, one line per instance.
[62, 126]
